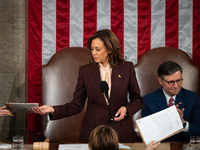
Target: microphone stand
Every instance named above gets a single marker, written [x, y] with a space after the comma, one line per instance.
[104, 88]
[111, 114]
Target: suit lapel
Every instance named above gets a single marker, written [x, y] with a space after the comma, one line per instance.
[117, 78]
[179, 99]
[116, 81]
[94, 80]
[162, 103]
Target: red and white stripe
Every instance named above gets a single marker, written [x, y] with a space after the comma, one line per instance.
[139, 24]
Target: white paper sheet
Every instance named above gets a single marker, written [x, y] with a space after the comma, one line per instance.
[158, 126]
[83, 146]
[73, 147]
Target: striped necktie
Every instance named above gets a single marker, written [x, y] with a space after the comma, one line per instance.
[171, 102]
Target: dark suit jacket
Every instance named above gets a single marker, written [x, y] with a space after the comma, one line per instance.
[189, 100]
[123, 81]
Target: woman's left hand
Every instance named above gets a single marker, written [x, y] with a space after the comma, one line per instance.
[121, 113]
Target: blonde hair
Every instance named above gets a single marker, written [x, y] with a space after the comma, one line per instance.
[103, 137]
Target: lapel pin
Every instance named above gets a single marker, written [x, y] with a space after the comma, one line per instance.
[119, 76]
[180, 103]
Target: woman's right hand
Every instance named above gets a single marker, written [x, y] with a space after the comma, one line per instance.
[43, 109]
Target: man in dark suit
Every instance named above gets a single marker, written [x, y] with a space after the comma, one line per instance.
[172, 93]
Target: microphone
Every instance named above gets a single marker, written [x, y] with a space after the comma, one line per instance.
[104, 88]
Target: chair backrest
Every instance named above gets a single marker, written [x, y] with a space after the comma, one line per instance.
[59, 78]
[146, 70]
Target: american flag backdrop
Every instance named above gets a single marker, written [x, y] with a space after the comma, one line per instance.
[139, 24]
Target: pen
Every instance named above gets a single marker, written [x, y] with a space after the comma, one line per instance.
[10, 114]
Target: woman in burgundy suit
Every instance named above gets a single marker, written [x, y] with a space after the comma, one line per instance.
[107, 64]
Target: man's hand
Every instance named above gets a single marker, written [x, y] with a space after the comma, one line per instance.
[152, 146]
[180, 112]
[3, 111]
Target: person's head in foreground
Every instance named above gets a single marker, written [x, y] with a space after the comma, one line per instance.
[104, 137]
[170, 77]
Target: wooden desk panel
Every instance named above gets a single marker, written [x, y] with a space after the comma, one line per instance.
[134, 146]
[141, 146]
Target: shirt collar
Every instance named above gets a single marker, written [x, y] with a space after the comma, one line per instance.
[167, 96]
[107, 67]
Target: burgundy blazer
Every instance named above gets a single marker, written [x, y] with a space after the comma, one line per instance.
[123, 80]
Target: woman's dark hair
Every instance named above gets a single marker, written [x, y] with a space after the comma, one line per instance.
[111, 43]
[168, 68]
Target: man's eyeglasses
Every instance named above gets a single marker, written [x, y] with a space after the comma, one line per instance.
[171, 83]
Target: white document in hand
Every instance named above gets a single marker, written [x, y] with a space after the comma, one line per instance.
[159, 126]
[25, 107]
